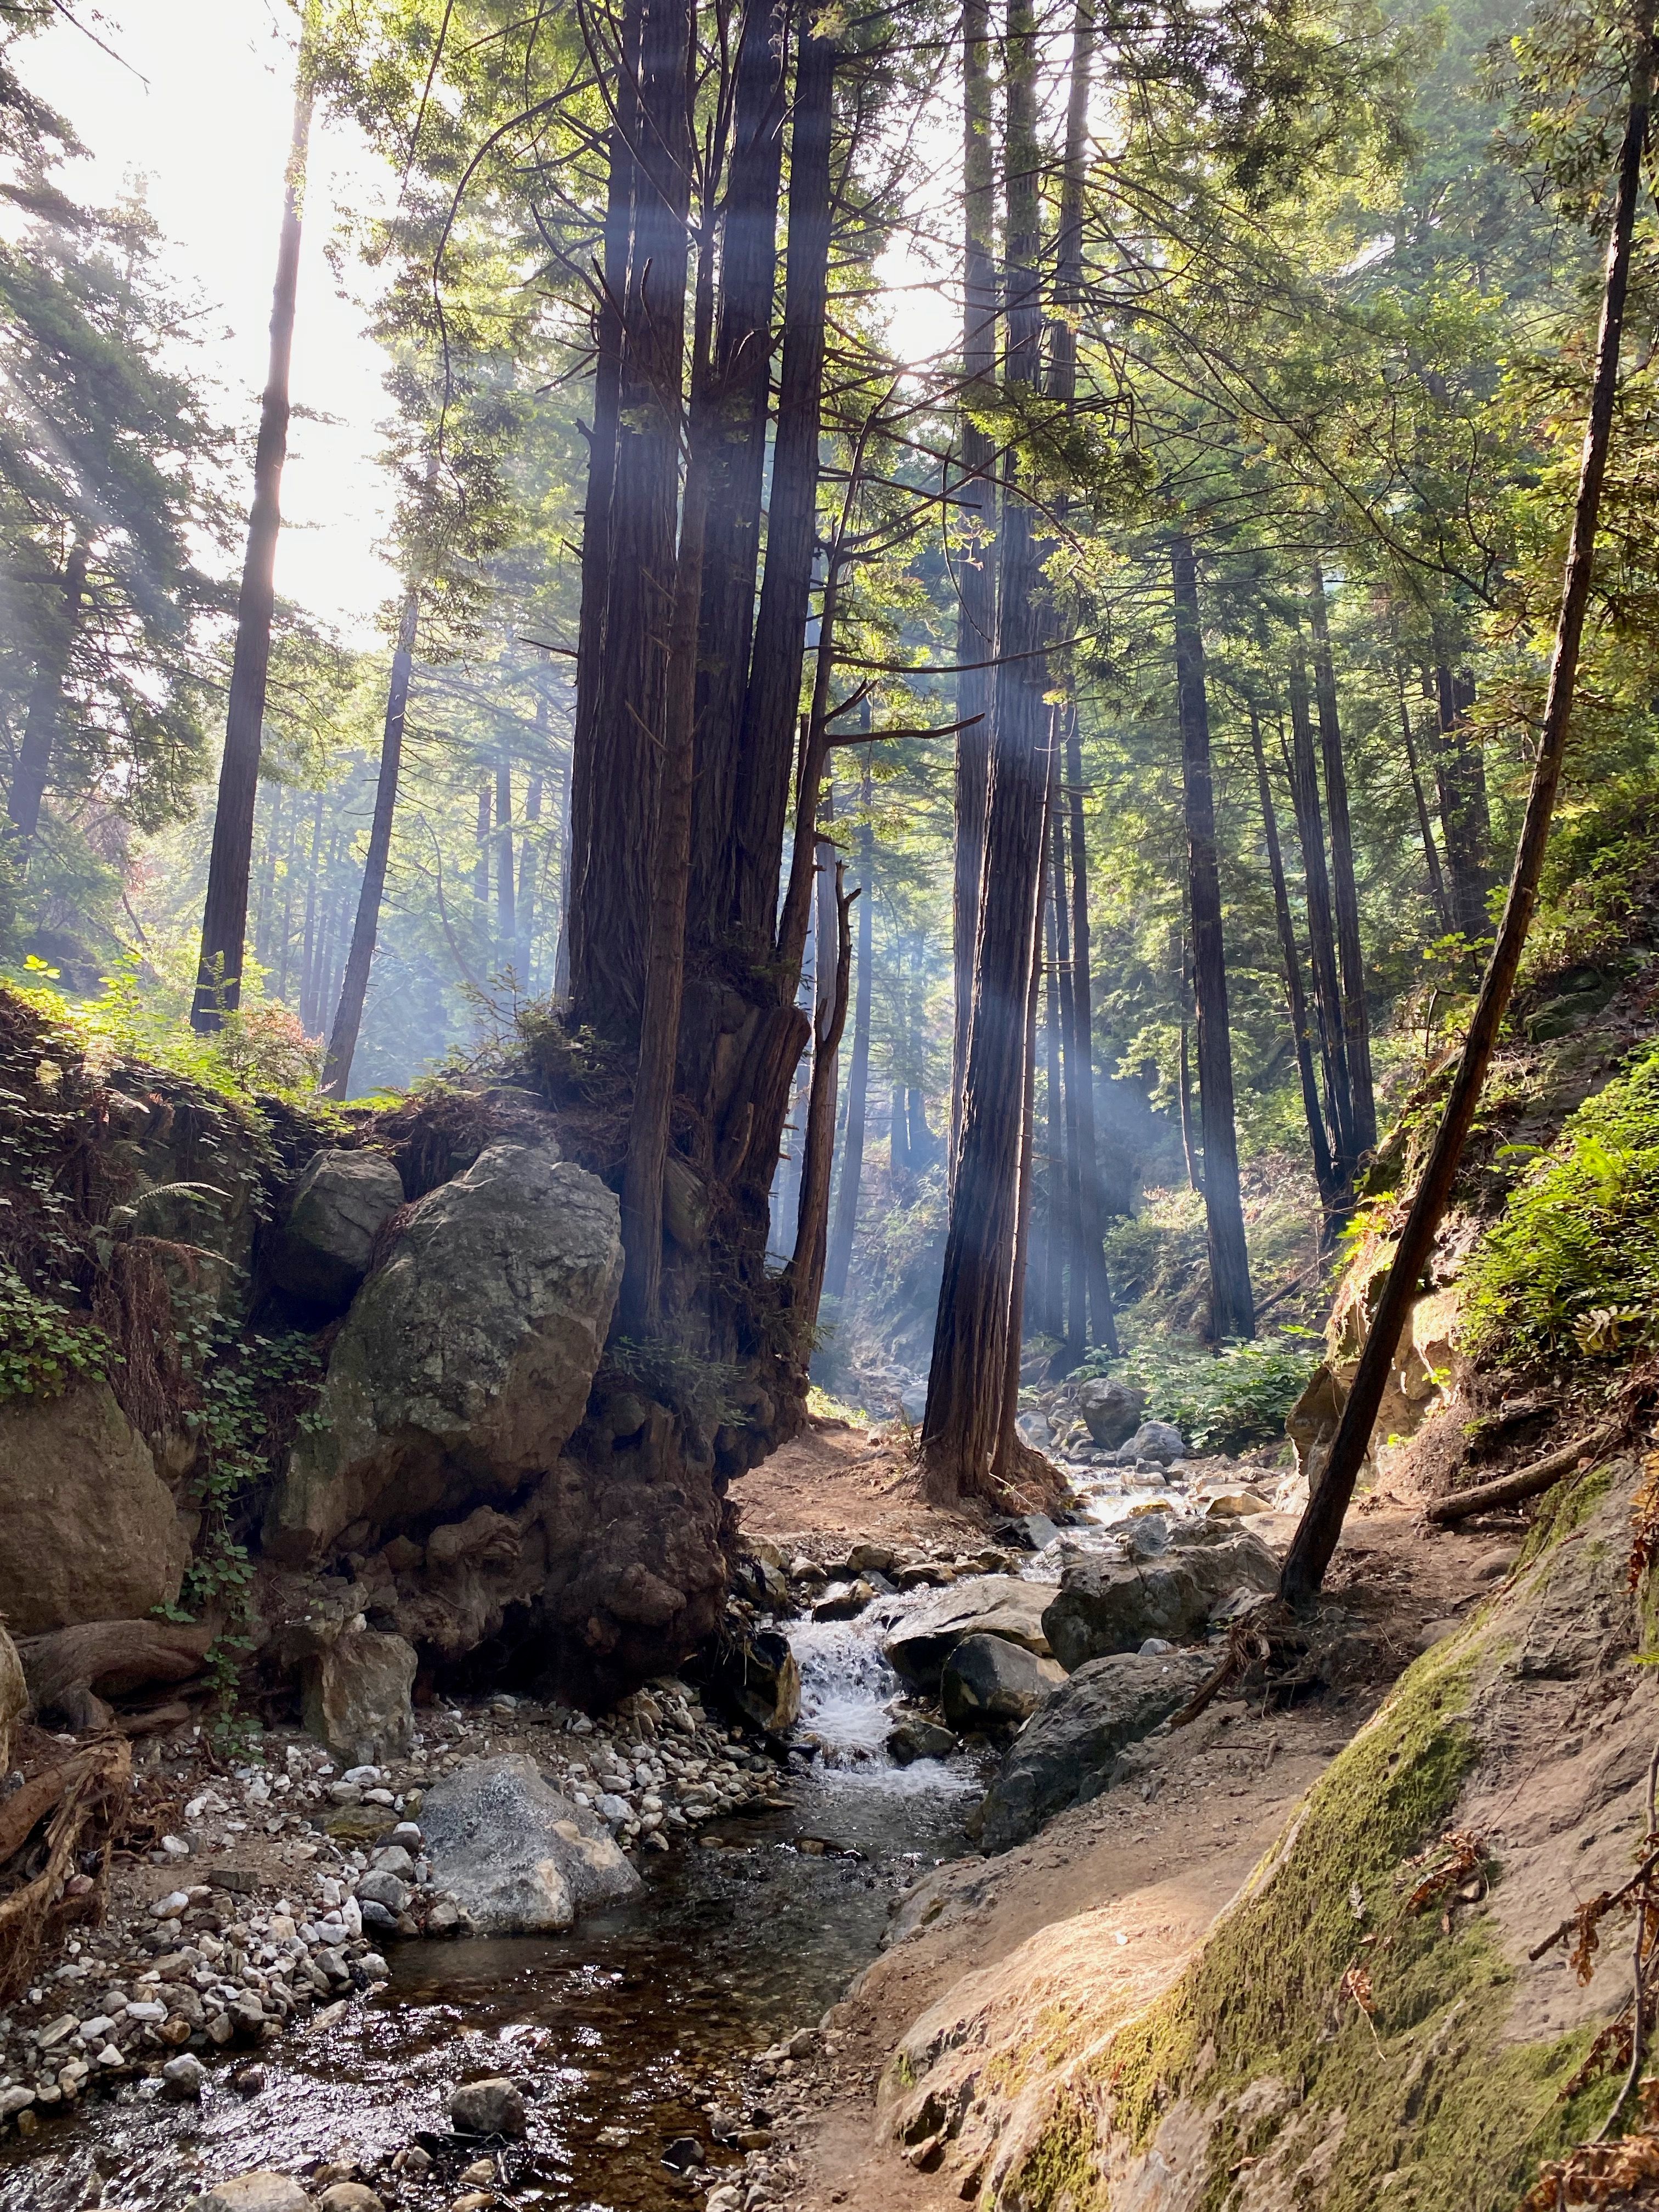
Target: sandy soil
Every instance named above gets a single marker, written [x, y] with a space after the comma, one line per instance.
[1152, 1862]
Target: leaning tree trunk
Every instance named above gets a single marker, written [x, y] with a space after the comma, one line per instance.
[964, 1422]
[977, 583]
[1320, 1526]
[224, 915]
[46, 710]
[839, 1262]
[348, 1019]
[1356, 1021]
[1232, 1310]
[1324, 1168]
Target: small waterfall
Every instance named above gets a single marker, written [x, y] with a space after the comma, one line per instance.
[847, 1691]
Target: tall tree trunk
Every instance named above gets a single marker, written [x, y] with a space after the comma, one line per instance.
[310, 1017]
[1356, 1021]
[614, 893]
[528, 856]
[1075, 1317]
[1189, 1126]
[964, 1426]
[481, 855]
[977, 583]
[506, 924]
[290, 859]
[1460, 775]
[1324, 1168]
[1232, 1310]
[831, 979]
[1091, 1206]
[1049, 1305]
[46, 710]
[898, 1146]
[348, 1017]
[224, 915]
[1320, 1526]
[1426, 828]
[840, 1260]
[739, 391]
[1005, 1468]
[1322, 933]
[773, 701]
[266, 847]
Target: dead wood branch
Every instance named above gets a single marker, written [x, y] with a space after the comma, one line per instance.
[89, 1794]
[1525, 1482]
[71, 1671]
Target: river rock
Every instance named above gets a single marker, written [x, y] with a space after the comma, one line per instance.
[913, 1738]
[1111, 1410]
[341, 1203]
[1105, 1605]
[259, 2191]
[990, 1605]
[1160, 1444]
[1068, 1752]
[516, 1856]
[87, 1528]
[758, 1676]
[487, 2108]
[986, 1679]
[13, 1696]
[466, 1363]
[355, 1692]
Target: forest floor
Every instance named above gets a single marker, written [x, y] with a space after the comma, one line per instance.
[1153, 1862]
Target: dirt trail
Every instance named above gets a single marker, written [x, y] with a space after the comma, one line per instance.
[1153, 1861]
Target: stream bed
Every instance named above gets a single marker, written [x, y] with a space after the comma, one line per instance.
[619, 2032]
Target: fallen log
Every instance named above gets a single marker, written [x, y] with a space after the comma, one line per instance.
[1511, 1489]
[91, 1790]
[71, 1671]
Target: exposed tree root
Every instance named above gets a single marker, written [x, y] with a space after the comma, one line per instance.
[81, 1801]
[72, 1671]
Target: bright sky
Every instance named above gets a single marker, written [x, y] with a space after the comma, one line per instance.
[208, 134]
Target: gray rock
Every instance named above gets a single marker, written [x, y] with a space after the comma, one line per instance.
[393, 1858]
[988, 1680]
[913, 1402]
[1104, 1607]
[992, 1605]
[844, 1601]
[487, 2108]
[1069, 1751]
[87, 1528]
[341, 1203]
[1157, 1443]
[378, 1887]
[516, 1856]
[758, 1675]
[1111, 1410]
[465, 1362]
[913, 1738]
[356, 1693]
[1034, 1429]
[350, 2196]
[260, 2191]
[184, 2076]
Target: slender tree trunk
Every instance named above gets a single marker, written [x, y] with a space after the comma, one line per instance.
[1426, 828]
[310, 1018]
[898, 1146]
[964, 1426]
[528, 856]
[840, 1260]
[1461, 774]
[831, 979]
[1091, 1207]
[977, 583]
[349, 1017]
[1320, 1529]
[481, 856]
[1324, 1168]
[1005, 1460]
[266, 847]
[1322, 933]
[1188, 1126]
[224, 917]
[506, 924]
[1356, 1021]
[1232, 1310]
[290, 859]
[45, 711]
[773, 701]
[1049, 1308]
[1076, 1318]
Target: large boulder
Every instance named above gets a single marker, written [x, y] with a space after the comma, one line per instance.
[1111, 1410]
[1160, 1444]
[341, 1203]
[355, 1691]
[991, 1605]
[87, 1528]
[1069, 1751]
[519, 1859]
[989, 1683]
[1105, 1605]
[465, 1364]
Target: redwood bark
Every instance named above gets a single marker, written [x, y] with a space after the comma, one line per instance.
[1049, 1308]
[224, 915]
[831, 981]
[1232, 1310]
[1091, 1209]
[1075, 1317]
[1320, 1526]
[1322, 933]
[348, 1017]
[845, 1228]
[40, 730]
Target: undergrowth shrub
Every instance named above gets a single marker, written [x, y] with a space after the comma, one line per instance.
[1225, 1401]
[1573, 1260]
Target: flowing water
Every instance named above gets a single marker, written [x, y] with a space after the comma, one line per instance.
[620, 2030]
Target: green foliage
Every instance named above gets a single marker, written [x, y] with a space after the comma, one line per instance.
[42, 1347]
[1574, 1258]
[1224, 1402]
[704, 1389]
